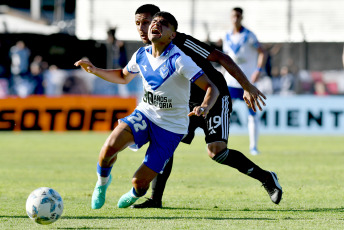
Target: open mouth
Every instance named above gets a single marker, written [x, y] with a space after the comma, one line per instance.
[156, 31]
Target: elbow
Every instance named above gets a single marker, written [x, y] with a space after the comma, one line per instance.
[215, 56]
[216, 91]
[124, 79]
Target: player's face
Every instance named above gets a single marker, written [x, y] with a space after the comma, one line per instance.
[236, 18]
[142, 22]
[160, 30]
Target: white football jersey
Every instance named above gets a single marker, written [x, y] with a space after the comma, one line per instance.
[242, 48]
[166, 82]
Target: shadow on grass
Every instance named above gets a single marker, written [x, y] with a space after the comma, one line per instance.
[341, 209]
[163, 218]
[146, 217]
[296, 210]
[86, 228]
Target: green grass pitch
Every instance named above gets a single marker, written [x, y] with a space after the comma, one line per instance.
[200, 194]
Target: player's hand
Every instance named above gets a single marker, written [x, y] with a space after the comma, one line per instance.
[252, 97]
[198, 111]
[86, 65]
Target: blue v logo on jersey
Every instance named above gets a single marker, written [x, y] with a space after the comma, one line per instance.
[236, 46]
[163, 71]
[155, 78]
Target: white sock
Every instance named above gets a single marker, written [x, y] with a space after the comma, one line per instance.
[253, 130]
[132, 193]
[102, 180]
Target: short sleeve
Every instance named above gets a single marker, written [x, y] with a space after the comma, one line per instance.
[193, 47]
[132, 65]
[188, 68]
[225, 43]
[254, 41]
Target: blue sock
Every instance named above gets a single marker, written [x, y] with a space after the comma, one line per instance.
[103, 174]
[135, 194]
[102, 171]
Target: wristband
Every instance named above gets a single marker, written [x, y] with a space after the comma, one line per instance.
[259, 69]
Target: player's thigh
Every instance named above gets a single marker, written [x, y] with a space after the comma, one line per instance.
[121, 137]
[194, 123]
[140, 128]
[217, 121]
[162, 145]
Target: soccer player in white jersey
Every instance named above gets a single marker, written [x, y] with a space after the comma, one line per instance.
[243, 47]
[216, 124]
[161, 118]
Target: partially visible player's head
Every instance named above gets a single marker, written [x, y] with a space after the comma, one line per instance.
[143, 18]
[239, 10]
[237, 16]
[162, 28]
[169, 17]
[147, 8]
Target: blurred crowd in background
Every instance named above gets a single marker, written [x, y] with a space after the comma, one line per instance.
[33, 63]
[22, 74]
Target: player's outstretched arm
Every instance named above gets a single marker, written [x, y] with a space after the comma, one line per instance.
[119, 76]
[260, 63]
[209, 99]
[230, 66]
[252, 95]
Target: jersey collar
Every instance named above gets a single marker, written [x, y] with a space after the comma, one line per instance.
[242, 29]
[166, 51]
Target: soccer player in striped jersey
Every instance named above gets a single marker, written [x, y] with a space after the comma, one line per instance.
[161, 118]
[216, 124]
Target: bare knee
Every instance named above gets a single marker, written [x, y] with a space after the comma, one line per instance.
[107, 156]
[119, 139]
[215, 148]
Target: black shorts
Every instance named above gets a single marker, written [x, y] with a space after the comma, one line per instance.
[215, 125]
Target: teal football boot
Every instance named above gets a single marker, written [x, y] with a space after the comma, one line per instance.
[98, 197]
[126, 200]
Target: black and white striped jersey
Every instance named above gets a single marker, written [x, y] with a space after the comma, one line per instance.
[199, 51]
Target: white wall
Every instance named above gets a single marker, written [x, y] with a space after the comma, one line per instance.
[297, 115]
[321, 20]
